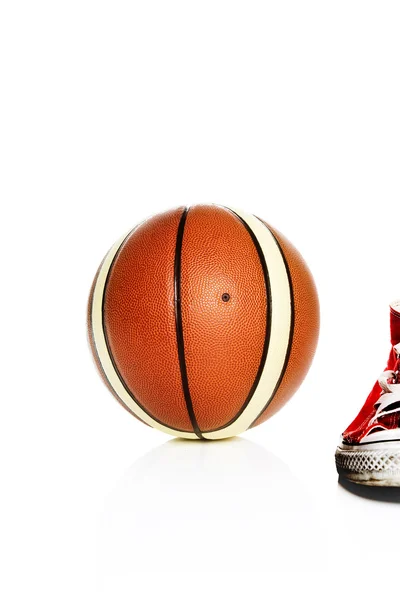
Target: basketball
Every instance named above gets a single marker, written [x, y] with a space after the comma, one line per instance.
[203, 321]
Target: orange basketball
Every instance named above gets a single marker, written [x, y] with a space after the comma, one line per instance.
[203, 321]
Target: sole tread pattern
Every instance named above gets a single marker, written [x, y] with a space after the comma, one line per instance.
[370, 467]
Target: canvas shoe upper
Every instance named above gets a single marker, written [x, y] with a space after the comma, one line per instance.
[369, 451]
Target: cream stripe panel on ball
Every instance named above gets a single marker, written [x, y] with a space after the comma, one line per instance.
[104, 356]
[280, 314]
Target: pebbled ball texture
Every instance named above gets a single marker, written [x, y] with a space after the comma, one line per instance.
[184, 314]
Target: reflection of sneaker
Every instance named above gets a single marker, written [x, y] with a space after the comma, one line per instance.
[369, 451]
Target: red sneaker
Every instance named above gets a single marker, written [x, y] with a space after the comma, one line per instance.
[369, 452]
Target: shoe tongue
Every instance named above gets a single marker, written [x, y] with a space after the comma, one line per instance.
[395, 322]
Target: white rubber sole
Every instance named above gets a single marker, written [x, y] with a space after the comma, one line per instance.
[370, 464]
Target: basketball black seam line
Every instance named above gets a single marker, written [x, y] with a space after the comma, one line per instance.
[179, 323]
[92, 342]
[292, 319]
[109, 349]
[268, 321]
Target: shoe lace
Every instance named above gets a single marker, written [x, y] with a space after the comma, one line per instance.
[389, 400]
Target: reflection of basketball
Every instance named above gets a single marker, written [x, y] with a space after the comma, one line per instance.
[231, 495]
[203, 321]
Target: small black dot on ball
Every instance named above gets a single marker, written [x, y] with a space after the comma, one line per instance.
[226, 297]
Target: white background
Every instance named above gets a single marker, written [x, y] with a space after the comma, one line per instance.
[112, 111]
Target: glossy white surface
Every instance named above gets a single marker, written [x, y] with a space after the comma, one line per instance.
[111, 111]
